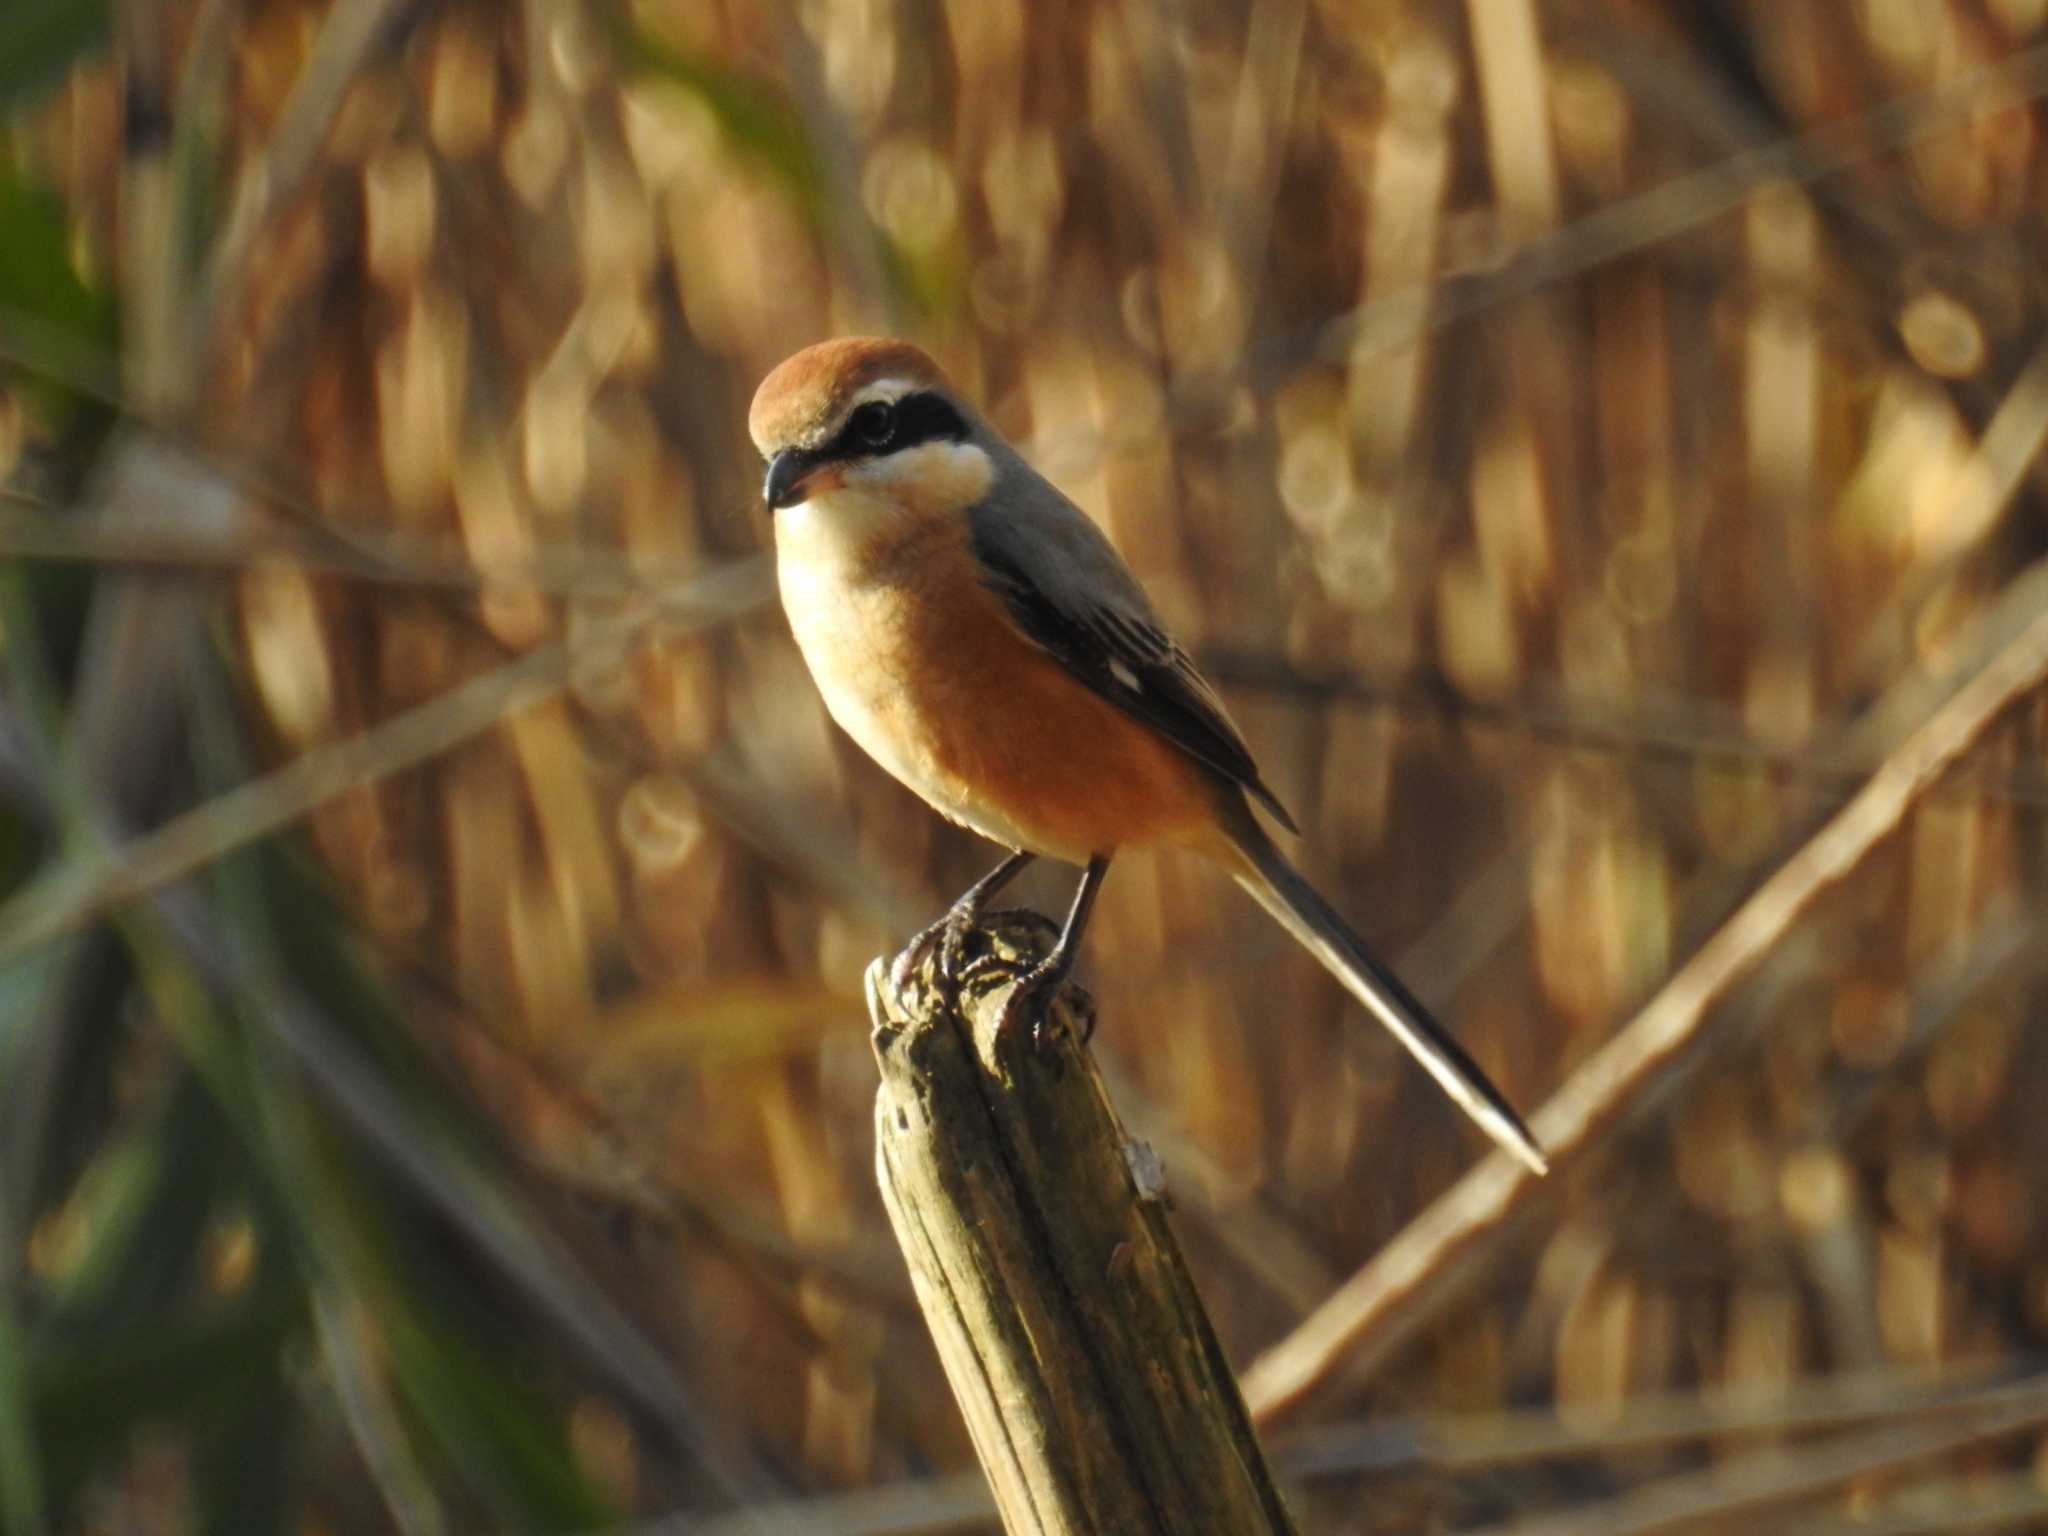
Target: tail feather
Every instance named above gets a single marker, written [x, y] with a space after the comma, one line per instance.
[1263, 870]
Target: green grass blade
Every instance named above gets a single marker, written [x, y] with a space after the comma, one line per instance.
[39, 40]
[21, 1465]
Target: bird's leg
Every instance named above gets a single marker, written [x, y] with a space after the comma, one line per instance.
[962, 915]
[950, 931]
[1042, 980]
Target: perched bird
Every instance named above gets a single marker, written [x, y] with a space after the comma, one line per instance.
[979, 637]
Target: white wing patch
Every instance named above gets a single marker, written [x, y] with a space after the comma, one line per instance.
[1126, 676]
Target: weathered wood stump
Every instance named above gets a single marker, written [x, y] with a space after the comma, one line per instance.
[1037, 1237]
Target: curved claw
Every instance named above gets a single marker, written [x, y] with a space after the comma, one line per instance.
[1043, 979]
[902, 968]
[953, 927]
[910, 959]
[1028, 1004]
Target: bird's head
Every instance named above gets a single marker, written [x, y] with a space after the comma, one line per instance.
[864, 423]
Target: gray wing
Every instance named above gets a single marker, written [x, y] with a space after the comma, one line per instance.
[1068, 591]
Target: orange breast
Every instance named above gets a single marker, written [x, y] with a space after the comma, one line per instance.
[1003, 724]
[919, 663]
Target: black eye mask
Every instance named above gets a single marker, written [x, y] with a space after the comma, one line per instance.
[882, 427]
[873, 430]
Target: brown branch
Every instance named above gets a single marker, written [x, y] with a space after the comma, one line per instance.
[1449, 1245]
[76, 891]
[1753, 1483]
[349, 37]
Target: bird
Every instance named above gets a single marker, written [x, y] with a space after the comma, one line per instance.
[978, 635]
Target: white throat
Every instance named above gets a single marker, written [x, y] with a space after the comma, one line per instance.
[876, 499]
[835, 526]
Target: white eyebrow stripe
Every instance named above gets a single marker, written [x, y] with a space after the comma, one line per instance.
[885, 389]
[888, 390]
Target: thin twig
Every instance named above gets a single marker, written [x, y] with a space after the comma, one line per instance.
[1449, 1245]
[1481, 1442]
[1940, 1507]
[1475, 1442]
[233, 965]
[1664, 212]
[1682, 730]
[78, 890]
[1671, 727]
[347, 38]
[1747, 1484]
[346, 1345]
[388, 557]
[488, 1211]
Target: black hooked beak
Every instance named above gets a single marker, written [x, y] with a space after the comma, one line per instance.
[787, 472]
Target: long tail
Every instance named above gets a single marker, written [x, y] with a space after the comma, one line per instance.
[1279, 887]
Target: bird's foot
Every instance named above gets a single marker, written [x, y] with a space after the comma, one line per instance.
[948, 936]
[955, 953]
[954, 927]
[950, 933]
[1030, 1005]
[910, 959]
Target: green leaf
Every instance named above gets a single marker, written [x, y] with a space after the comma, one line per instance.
[504, 1435]
[38, 281]
[759, 124]
[62, 1023]
[195, 1370]
[39, 39]
[462, 1365]
[21, 1463]
[20, 846]
[146, 1205]
[752, 114]
[243, 1477]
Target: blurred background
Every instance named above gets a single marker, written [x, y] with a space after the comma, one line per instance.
[1584, 440]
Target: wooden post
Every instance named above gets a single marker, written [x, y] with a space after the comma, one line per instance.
[1036, 1233]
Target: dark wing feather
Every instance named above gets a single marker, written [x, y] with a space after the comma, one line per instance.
[1122, 654]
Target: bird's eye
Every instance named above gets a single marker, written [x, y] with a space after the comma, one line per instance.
[874, 423]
